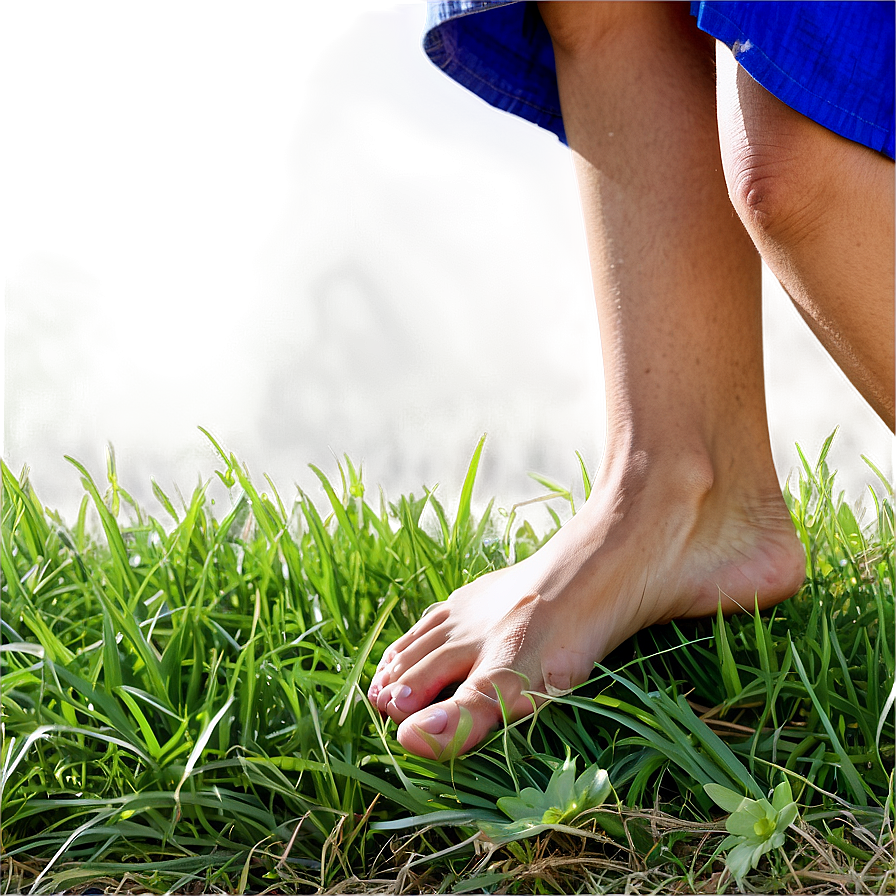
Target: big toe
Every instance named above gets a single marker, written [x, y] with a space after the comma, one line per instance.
[448, 729]
[444, 730]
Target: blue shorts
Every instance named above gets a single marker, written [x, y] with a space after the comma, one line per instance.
[831, 61]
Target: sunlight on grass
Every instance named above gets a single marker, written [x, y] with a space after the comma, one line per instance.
[183, 707]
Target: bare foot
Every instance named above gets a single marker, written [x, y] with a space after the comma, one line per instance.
[645, 548]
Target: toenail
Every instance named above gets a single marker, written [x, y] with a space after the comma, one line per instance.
[433, 722]
[401, 692]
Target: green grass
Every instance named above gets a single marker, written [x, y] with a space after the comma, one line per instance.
[183, 706]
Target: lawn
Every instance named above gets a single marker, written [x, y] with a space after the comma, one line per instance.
[183, 709]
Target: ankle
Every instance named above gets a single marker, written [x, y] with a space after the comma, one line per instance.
[681, 476]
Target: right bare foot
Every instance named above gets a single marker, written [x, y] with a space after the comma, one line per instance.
[650, 545]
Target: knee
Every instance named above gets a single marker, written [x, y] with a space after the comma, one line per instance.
[778, 191]
[773, 189]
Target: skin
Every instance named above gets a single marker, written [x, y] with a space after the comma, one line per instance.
[686, 511]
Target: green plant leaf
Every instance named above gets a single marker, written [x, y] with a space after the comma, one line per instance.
[723, 797]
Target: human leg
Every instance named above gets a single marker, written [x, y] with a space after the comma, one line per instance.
[820, 209]
[686, 508]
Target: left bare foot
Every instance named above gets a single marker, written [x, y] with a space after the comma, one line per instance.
[647, 547]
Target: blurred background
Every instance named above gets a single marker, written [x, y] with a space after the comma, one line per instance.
[283, 223]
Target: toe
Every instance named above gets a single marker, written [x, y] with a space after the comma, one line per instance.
[406, 651]
[435, 616]
[448, 729]
[425, 680]
[377, 683]
[426, 644]
[410, 640]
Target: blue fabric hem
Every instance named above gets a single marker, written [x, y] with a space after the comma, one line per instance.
[516, 77]
[491, 92]
[831, 61]
[776, 81]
